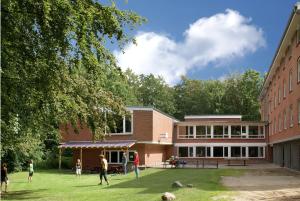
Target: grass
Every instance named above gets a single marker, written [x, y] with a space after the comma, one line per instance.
[64, 186]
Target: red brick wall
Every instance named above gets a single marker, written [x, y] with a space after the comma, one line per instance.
[292, 98]
[162, 124]
[68, 133]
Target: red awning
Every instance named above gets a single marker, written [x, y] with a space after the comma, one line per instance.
[106, 144]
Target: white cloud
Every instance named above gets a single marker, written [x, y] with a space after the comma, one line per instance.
[223, 36]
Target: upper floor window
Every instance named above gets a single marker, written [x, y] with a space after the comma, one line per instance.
[203, 131]
[290, 81]
[291, 116]
[284, 88]
[189, 132]
[298, 71]
[298, 111]
[279, 123]
[274, 126]
[279, 95]
[121, 125]
[284, 119]
[220, 131]
[275, 100]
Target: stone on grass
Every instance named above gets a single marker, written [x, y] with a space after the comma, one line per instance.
[190, 185]
[177, 184]
[168, 196]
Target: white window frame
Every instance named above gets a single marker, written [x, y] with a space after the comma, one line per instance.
[299, 111]
[291, 116]
[118, 151]
[279, 95]
[290, 81]
[285, 120]
[124, 126]
[298, 70]
[284, 88]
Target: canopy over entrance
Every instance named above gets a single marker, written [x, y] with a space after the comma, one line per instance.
[105, 145]
[125, 144]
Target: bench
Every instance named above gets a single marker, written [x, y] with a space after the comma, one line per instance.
[230, 160]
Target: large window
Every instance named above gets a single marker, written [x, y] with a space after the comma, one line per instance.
[189, 131]
[201, 131]
[235, 151]
[235, 131]
[255, 152]
[291, 116]
[218, 131]
[116, 156]
[298, 111]
[290, 81]
[183, 151]
[200, 152]
[218, 151]
[284, 88]
[298, 71]
[284, 120]
[186, 151]
[279, 94]
[120, 125]
[253, 131]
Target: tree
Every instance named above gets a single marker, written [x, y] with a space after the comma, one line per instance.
[56, 69]
[153, 91]
[241, 95]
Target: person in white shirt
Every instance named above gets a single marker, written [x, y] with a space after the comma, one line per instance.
[78, 167]
[103, 169]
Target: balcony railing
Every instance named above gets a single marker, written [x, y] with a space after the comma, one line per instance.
[221, 137]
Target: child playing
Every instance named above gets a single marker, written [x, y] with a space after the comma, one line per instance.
[78, 168]
[30, 171]
[4, 178]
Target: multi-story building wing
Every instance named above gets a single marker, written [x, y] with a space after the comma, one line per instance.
[280, 96]
[145, 130]
[219, 137]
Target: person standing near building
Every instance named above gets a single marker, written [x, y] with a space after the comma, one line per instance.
[4, 177]
[103, 169]
[78, 168]
[30, 168]
[136, 163]
[124, 162]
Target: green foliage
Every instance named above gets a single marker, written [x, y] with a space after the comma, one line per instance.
[151, 91]
[238, 94]
[56, 69]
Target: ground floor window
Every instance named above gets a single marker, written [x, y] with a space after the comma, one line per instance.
[200, 152]
[218, 151]
[255, 152]
[183, 152]
[115, 156]
[221, 151]
[235, 151]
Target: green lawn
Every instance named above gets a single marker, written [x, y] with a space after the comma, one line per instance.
[64, 186]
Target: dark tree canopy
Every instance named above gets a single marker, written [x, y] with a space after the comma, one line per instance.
[56, 68]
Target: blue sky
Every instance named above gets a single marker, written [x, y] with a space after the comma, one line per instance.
[171, 23]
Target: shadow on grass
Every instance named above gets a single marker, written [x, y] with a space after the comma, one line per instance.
[22, 195]
[157, 182]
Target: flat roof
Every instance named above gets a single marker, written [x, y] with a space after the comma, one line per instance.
[213, 117]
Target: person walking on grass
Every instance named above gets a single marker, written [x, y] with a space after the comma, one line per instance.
[136, 163]
[30, 168]
[124, 162]
[103, 169]
[4, 177]
[78, 168]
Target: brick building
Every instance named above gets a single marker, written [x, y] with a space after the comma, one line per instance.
[280, 96]
[219, 137]
[146, 130]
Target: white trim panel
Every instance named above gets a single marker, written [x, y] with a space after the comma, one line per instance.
[220, 144]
